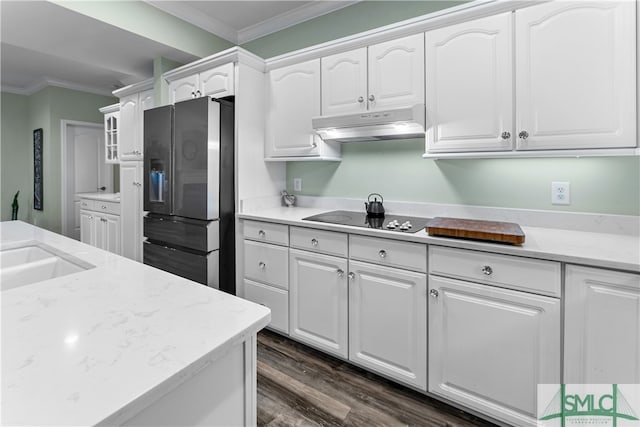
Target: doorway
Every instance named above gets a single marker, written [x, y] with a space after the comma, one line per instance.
[83, 170]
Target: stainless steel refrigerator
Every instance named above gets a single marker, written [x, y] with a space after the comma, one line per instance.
[189, 190]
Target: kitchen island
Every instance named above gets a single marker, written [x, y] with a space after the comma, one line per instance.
[121, 343]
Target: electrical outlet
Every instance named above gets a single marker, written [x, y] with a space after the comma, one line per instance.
[560, 193]
[297, 184]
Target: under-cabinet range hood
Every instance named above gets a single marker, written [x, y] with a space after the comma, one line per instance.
[396, 123]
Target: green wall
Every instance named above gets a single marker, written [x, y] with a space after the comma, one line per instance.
[396, 170]
[44, 109]
[14, 154]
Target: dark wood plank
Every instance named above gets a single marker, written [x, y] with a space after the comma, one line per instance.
[298, 385]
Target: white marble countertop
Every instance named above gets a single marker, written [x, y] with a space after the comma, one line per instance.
[108, 197]
[615, 251]
[98, 346]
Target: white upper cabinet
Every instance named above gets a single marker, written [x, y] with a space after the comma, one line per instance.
[344, 82]
[469, 86]
[293, 96]
[217, 82]
[576, 75]
[111, 126]
[131, 123]
[385, 75]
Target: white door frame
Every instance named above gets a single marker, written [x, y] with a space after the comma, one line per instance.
[64, 124]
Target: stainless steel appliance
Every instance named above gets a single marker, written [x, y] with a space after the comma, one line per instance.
[189, 190]
[402, 223]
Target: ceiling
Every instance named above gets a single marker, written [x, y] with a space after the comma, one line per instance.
[43, 43]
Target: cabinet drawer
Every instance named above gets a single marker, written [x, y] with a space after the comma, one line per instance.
[276, 299]
[512, 272]
[412, 256]
[266, 263]
[87, 204]
[267, 232]
[107, 207]
[327, 242]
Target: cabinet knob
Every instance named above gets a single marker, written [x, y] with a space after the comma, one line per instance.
[193, 94]
[340, 273]
[352, 276]
[198, 93]
[314, 144]
[372, 98]
[434, 293]
[487, 270]
[103, 219]
[261, 233]
[506, 135]
[262, 265]
[314, 242]
[382, 253]
[360, 99]
[524, 134]
[104, 206]
[102, 188]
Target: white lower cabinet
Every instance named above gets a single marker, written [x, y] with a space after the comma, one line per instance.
[319, 297]
[490, 347]
[388, 322]
[602, 326]
[100, 230]
[131, 201]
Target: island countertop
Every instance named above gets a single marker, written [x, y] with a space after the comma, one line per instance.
[98, 346]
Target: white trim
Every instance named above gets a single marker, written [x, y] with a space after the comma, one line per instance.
[110, 108]
[63, 183]
[234, 54]
[442, 18]
[290, 18]
[45, 81]
[134, 88]
[595, 152]
[196, 18]
[303, 159]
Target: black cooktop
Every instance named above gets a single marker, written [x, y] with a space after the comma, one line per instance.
[402, 223]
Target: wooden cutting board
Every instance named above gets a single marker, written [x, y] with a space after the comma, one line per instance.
[493, 231]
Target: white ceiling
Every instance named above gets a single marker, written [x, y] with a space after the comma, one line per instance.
[46, 44]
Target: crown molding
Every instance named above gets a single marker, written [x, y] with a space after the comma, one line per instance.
[45, 82]
[291, 18]
[110, 108]
[234, 54]
[134, 88]
[197, 18]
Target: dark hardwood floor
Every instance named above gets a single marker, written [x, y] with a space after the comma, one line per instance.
[299, 386]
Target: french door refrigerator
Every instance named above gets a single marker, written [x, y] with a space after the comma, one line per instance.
[189, 190]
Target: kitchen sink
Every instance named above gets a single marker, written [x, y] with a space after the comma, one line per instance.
[34, 262]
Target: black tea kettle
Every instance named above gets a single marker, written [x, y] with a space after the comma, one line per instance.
[374, 208]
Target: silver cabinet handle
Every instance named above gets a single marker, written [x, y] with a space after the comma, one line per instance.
[314, 144]
[524, 134]
[261, 233]
[372, 98]
[487, 270]
[262, 265]
[193, 94]
[382, 253]
[137, 184]
[314, 242]
[104, 206]
[434, 293]
[360, 99]
[199, 93]
[340, 273]
[506, 135]
[352, 275]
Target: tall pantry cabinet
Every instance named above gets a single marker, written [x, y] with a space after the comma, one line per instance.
[134, 100]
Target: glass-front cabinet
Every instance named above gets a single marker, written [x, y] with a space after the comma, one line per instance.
[111, 125]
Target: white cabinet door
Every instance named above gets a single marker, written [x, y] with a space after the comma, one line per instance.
[147, 100]
[396, 73]
[131, 210]
[183, 89]
[576, 75]
[388, 322]
[87, 228]
[293, 99]
[111, 230]
[469, 86]
[344, 82]
[318, 295]
[489, 347]
[129, 127]
[602, 326]
[217, 82]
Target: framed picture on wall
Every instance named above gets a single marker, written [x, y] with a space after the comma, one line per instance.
[37, 169]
